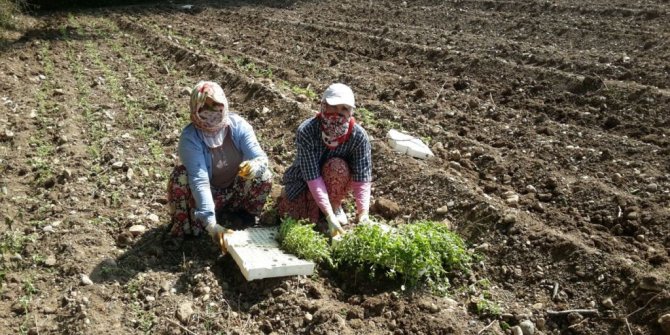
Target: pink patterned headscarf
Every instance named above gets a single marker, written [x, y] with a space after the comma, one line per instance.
[208, 119]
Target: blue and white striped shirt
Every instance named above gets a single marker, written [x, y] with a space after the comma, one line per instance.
[312, 153]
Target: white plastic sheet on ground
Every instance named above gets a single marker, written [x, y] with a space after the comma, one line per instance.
[408, 144]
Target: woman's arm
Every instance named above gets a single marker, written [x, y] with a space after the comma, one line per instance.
[247, 141]
[191, 155]
[361, 173]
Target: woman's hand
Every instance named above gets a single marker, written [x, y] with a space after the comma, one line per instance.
[334, 226]
[214, 229]
[363, 218]
[252, 168]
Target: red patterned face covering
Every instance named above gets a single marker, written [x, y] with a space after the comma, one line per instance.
[335, 128]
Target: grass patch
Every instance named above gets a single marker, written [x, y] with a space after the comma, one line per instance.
[14, 242]
[367, 118]
[307, 91]
[9, 9]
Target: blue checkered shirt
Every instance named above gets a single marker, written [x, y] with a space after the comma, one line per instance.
[312, 153]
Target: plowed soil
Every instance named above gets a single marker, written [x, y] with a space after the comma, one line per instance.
[550, 124]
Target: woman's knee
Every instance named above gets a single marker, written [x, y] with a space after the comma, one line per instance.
[336, 167]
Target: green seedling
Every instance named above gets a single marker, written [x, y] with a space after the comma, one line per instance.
[299, 237]
[422, 252]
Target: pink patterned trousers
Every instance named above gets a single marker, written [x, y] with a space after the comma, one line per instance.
[337, 177]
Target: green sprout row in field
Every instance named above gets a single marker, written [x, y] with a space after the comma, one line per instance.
[9, 10]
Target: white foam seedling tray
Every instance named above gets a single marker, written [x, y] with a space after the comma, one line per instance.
[408, 144]
[256, 252]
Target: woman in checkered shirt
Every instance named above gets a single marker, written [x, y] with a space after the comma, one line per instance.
[333, 156]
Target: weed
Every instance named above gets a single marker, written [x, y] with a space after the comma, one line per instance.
[427, 140]
[257, 70]
[487, 307]
[115, 199]
[134, 285]
[157, 150]
[8, 11]
[388, 124]
[38, 259]
[29, 288]
[307, 91]
[145, 320]
[42, 168]
[14, 242]
[100, 220]
[349, 207]
[63, 31]
[367, 118]
[365, 115]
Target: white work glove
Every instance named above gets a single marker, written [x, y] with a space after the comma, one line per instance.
[334, 226]
[214, 229]
[341, 216]
[363, 218]
[217, 232]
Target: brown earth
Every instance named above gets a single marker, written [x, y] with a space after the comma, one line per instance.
[549, 121]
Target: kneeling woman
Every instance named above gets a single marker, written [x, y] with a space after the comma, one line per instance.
[333, 156]
[224, 167]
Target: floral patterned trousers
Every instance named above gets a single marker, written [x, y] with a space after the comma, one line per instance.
[248, 195]
[337, 177]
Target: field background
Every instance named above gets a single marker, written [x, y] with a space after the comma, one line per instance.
[549, 121]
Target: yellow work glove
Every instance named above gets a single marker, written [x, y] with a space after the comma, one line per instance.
[252, 168]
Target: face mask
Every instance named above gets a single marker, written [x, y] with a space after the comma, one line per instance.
[210, 119]
[335, 129]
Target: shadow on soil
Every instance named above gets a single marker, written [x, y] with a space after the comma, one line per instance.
[157, 251]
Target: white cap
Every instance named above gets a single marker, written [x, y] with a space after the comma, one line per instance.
[339, 94]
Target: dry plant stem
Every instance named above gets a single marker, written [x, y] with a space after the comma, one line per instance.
[553, 296]
[180, 326]
[437, 98]
[491, 99]
[487, 327]
[568, 311]
[628, 326]
[578, 323]
[246, 324]
[639, 309]
[645, 305]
